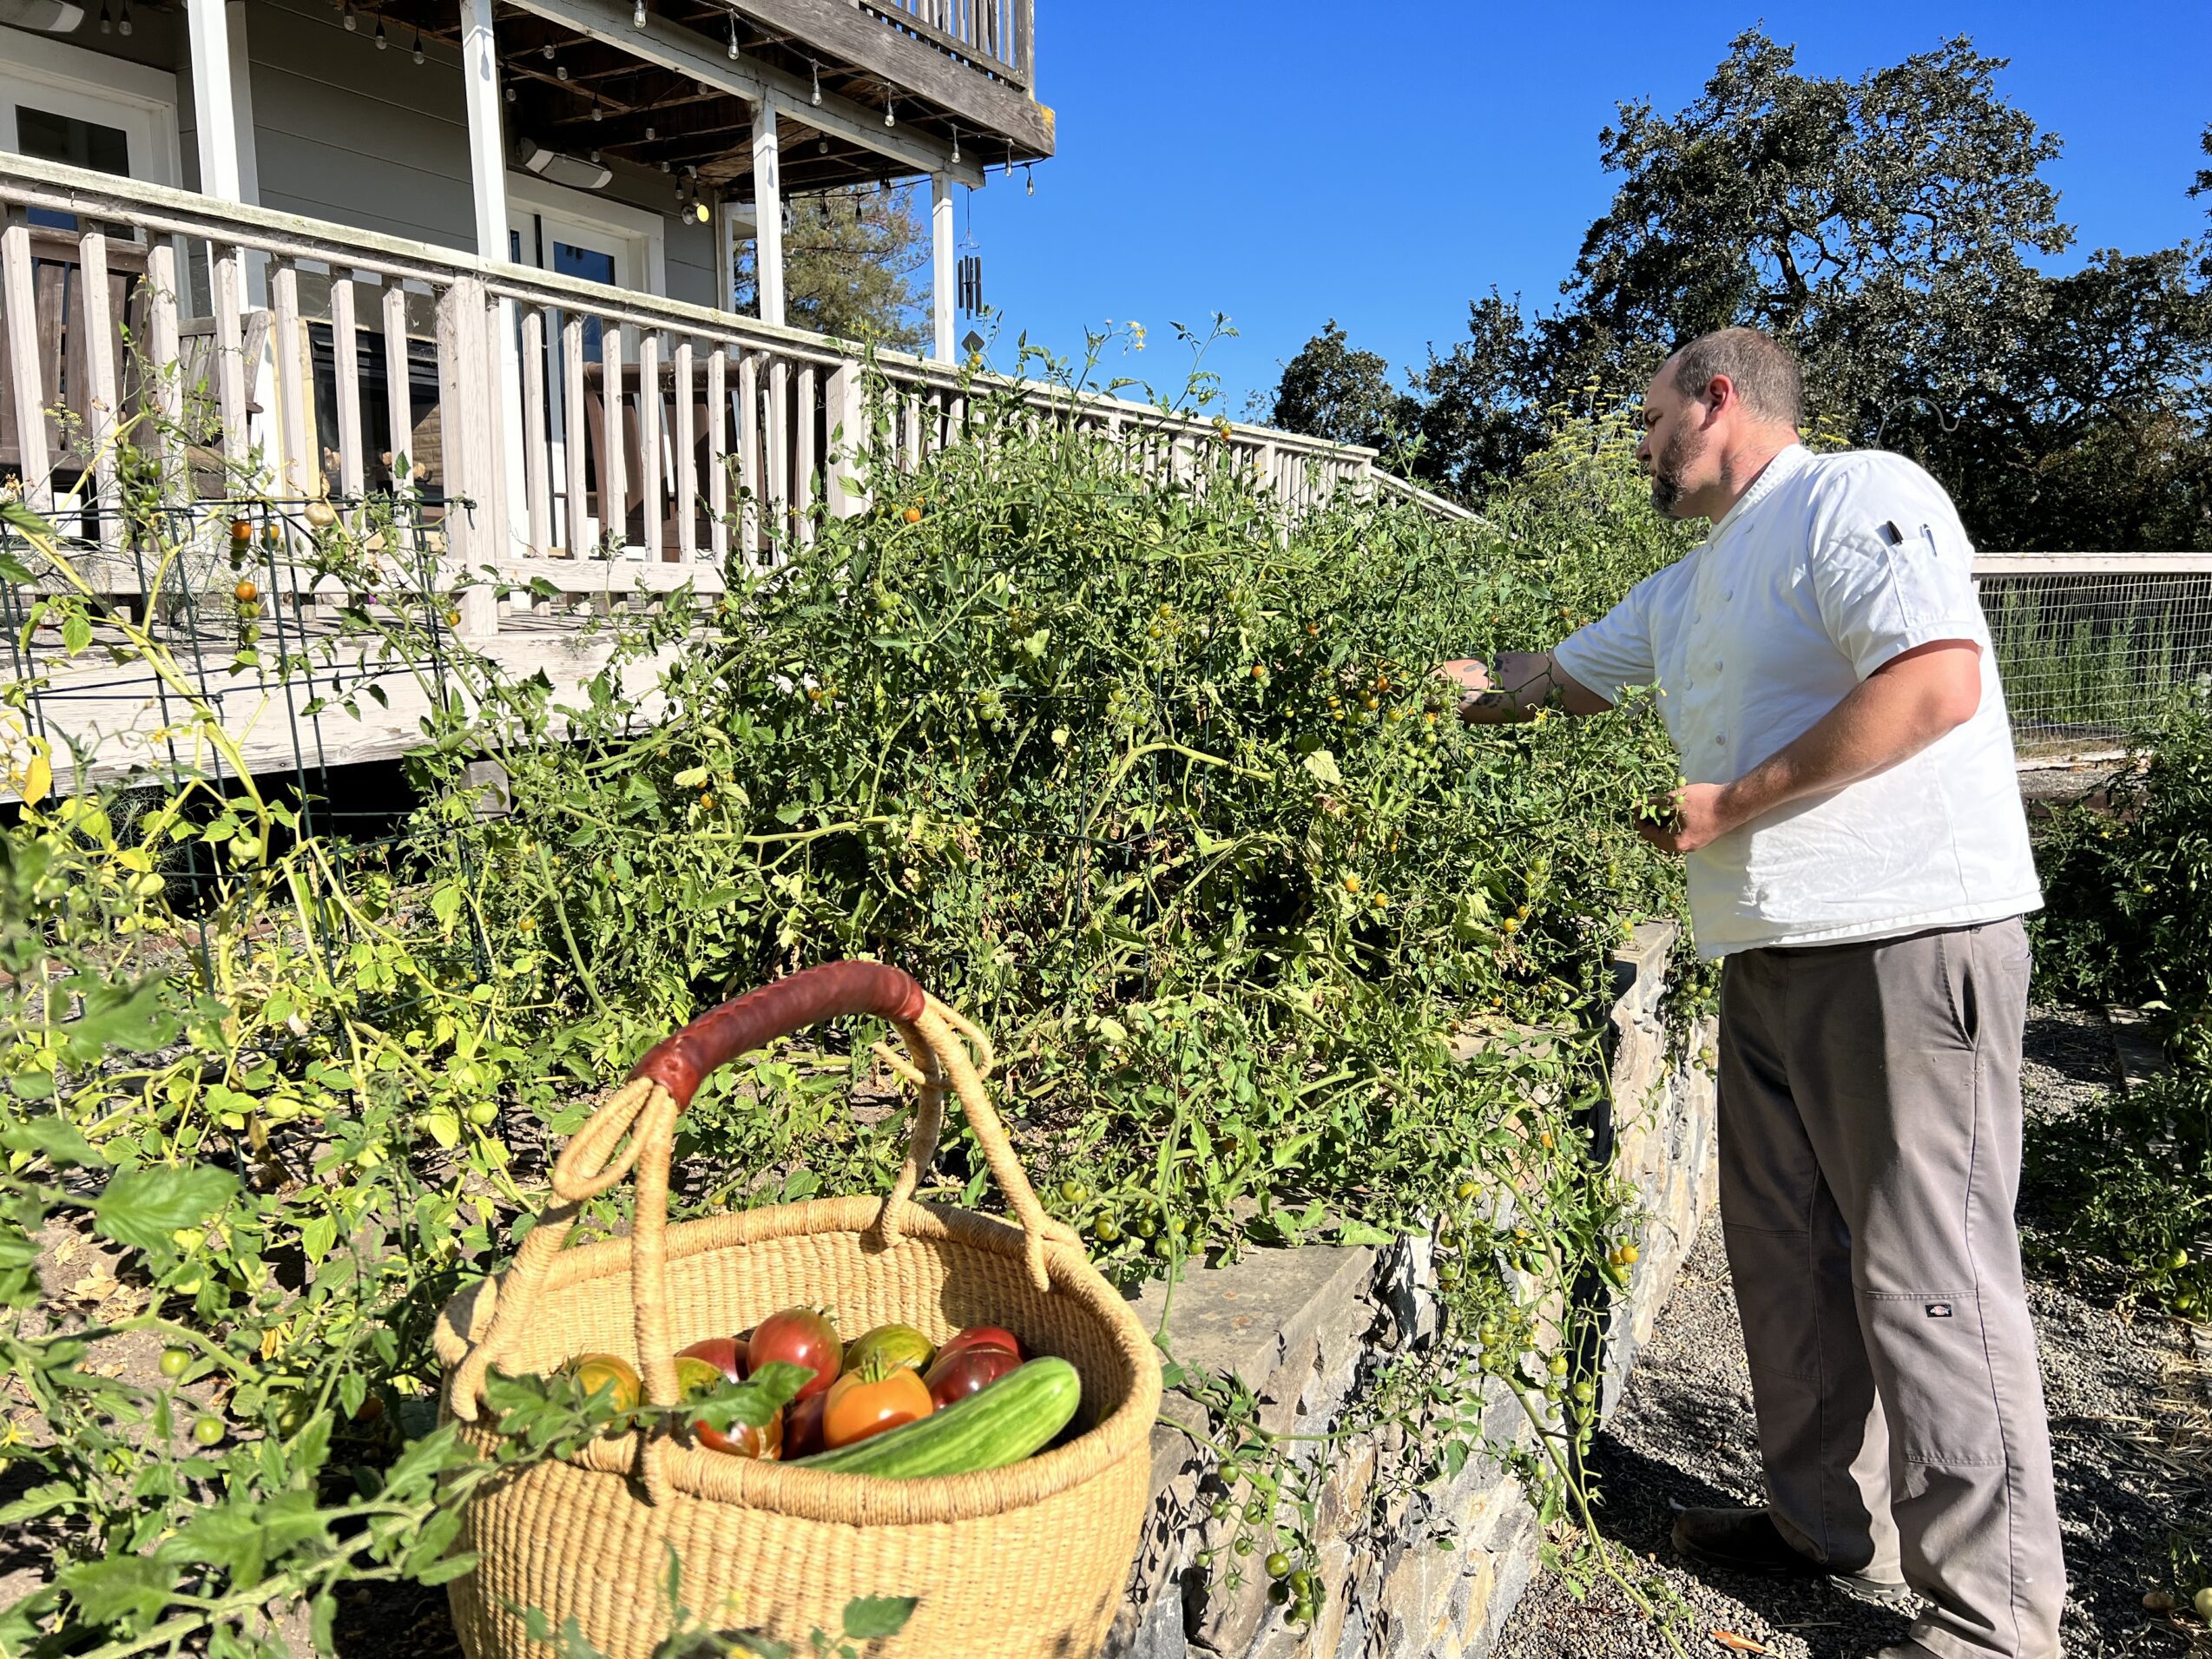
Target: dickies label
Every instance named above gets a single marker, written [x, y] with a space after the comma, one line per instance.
[1938, 1310]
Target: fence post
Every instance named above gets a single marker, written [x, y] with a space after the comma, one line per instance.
[848, 418]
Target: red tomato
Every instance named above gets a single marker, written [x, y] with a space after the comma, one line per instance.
[983, 1336]
[725, 1354]
[970, 1371]
[859, 1405]
[802, 1426]
[743, 1440]
[798, 1336]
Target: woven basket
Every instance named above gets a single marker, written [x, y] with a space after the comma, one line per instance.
[1030, 1559]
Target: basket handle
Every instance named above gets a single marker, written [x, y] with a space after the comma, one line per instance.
[634, 1130]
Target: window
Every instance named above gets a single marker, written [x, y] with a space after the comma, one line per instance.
[76, 143]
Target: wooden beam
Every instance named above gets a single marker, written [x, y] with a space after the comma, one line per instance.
[941, 296]
[213, 124]
[487, 144]
[768, 211]
[842, 28]
[685, 51]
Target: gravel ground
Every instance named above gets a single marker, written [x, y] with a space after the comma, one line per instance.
[2121, 1395]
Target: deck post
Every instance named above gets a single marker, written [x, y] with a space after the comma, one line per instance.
[488, 189]
[768, 211]
[941, 264]
[848, 438]
[213, 99]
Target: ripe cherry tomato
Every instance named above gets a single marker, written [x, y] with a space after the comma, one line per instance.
[798, 1336]
[983, 1336]
[864, 1403]
[969, 1372]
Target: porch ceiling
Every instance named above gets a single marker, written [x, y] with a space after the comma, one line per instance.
[576, 95]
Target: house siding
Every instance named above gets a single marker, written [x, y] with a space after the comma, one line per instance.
[375, 140]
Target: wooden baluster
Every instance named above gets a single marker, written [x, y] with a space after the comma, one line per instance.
[778, 456]
[718, 453]
[96, 321]
[806, 413]
[910, 449]
[345, 359]
[498, 402]
[456, 357]
[26, 383]
[537, 437]
[167, 348]
[648, 440]
[299, 472]
[231, 395]
[614, 511]
[748, 454]
[399, 388]
[847, 421]
[686, 497]
[575, 434]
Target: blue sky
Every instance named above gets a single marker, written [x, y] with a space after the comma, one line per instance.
[1384, 163]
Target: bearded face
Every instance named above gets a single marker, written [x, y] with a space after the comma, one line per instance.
[1676, 454]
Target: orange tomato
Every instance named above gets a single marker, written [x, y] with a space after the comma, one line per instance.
[245, 593]
[913, 514]
[866, 1402]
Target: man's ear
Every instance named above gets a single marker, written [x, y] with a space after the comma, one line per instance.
[1719, 394]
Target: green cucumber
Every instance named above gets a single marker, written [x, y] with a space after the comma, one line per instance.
[1002, 1424]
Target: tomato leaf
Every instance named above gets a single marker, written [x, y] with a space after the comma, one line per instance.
[144, 1207]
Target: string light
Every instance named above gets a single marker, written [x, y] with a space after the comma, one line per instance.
[637, 15]
[346, 16]
[889, 120]
[417, 53]
[817, 69]
[548, 50]
[956, 143]
[381, 42]
[597, 114]
[510, 95]
[732, 37]
[107, 23]
[122, 19]
[648, 132]
[1028, 177]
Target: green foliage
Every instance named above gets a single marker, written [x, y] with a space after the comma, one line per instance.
[1152, 782]
[851, 259]
[1330, 391]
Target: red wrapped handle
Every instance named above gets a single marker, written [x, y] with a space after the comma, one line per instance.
[678, 1064]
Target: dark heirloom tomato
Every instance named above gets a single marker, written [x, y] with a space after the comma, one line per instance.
[983, 1336]
[743, 1440]
[802, 1426]
[725, 1354]
[958, 1375]
[798, 1336]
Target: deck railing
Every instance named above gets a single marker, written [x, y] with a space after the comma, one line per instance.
[540, 421]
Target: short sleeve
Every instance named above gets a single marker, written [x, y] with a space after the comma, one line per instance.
[1614, 652]
[1893, 571]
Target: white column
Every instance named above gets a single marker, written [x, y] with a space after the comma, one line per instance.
[487, 144]
[214, 118]
[768, 210]
[505, 533]
[941, 262]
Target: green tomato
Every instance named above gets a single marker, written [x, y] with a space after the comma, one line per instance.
[1074, 1192]
[484, 1114]
[207, 1430]
[1465, 1190]
[2176, 1261]
[2202, 1602]
[1558, 1365]
[1106, 1230]
[174, 1362]
[1278, 1565]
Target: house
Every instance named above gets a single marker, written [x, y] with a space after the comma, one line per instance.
[476, 256]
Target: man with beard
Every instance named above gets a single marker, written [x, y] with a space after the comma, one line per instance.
[1857, 852]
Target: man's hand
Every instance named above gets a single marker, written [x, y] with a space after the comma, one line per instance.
[1516, 687]
[1688, 818]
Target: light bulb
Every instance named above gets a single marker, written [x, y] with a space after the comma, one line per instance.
[547, 49]
[733, 37]
[417, 52]
[381, 42]
[637, 16]
[559, 71]
[597, 114]
[510, 95]
[889, 120]
[122, 19]
[107, 23]
[351, 22]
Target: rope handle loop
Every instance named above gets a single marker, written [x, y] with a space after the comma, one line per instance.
[633, 1131]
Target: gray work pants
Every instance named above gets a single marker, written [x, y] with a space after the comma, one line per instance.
[1870, 1156]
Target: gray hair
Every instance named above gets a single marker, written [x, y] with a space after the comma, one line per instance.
[1762, 369]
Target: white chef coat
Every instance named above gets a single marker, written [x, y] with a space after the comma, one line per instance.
[1827, 567]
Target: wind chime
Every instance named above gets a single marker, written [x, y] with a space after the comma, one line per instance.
[968, 272]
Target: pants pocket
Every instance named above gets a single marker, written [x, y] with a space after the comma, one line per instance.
[1931, 1363]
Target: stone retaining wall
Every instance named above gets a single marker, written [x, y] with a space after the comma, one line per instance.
[1304, 1329]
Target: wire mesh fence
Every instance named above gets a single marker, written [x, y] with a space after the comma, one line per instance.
[2091, 646]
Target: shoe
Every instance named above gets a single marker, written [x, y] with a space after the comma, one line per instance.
[1746, 1540]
